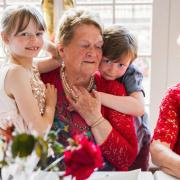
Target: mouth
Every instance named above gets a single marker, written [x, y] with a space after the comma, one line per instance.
[89, 62]
[109, 77]
[32, 48]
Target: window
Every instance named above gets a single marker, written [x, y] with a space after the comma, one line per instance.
[136, 15]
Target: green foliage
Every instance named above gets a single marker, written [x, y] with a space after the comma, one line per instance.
[41, 147]
[53, 142]
[23, 145]
[42, 151]
[3, 163]
[52, 137]
[57, 148]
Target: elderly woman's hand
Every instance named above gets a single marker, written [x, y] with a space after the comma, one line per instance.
[88, 105]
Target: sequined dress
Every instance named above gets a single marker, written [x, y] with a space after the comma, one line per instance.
[168, 125]
[120, 147]
[9, 113]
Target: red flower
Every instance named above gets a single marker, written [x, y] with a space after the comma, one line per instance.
[6, 134]
[84, 159]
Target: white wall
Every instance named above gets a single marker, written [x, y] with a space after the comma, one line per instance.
[165, 52]
[173, 74]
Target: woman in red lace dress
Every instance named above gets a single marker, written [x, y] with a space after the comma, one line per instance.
[79, 43]
[165, 147]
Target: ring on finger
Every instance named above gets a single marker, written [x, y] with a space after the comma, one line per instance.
[75, 98]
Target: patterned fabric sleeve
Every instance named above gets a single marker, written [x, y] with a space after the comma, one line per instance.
[167, 127]
[120, 147]
[132, 80]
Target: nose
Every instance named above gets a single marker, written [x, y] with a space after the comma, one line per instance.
[32, 37]
[91, 52]
[112, 68]
[94, 52]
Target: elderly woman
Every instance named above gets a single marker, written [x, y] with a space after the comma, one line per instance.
[79, 43]
[165, 147]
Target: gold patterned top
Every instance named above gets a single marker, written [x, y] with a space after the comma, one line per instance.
[38, 88]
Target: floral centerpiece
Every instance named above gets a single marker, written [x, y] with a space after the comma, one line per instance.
[23, 154]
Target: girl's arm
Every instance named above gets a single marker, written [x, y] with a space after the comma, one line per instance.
[17, 86]
[49, 63]
[132, 104]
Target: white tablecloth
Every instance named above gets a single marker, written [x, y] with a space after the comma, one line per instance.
[159, 175]
[146, 175]
[130, 175]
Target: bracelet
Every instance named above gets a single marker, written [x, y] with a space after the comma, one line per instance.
[99, 121]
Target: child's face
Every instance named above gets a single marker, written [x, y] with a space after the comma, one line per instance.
[27, 43]
[112, 70]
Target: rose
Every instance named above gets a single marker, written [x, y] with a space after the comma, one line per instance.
[83, 159]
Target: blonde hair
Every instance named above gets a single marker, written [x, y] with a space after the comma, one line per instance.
[72, 19]
[18, 17]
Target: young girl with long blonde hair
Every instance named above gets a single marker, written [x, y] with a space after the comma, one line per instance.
[25, 102]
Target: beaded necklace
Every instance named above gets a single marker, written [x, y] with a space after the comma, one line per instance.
[69, 90]
[67, 87]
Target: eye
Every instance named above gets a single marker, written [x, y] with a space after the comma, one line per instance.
[99, 46]
[39, 33]
[85, 46]
[121, 65]
[107, 61]
[26, 34]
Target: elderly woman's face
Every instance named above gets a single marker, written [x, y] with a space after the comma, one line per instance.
[83, 54]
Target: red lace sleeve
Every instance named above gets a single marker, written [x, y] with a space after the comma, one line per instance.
[167, 127]
[120, 147]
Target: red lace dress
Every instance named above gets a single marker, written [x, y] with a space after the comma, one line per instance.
[167, 128]
[120, 147]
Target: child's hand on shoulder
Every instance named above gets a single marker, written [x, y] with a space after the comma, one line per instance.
[51, 95]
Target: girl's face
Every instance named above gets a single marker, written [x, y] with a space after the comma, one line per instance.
[26, 44]
[112, 70]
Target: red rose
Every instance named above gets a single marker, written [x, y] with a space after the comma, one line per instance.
[83, 160]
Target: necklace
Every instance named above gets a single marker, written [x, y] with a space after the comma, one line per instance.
[69, 90]
[67, 87]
